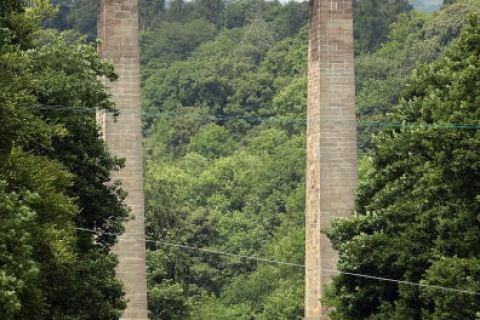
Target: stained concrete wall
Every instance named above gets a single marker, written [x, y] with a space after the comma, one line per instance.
[331, 140]
[118, 30]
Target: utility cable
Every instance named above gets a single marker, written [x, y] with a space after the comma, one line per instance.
[228, 254]
[296, 265]
[214, 252]
[281, 119]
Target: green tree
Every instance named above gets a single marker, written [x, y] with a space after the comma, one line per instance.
[212, 141]
[179, 11]
[83, 153]
[288, 19]
[19, 273]
[79, 15]
[203, 81]
[415, 38]
[35, 214]
[258, 38]
[372, 20]
[233, 203]
[54, 170]
[174, 41]
[214, 182]
[240, 13]
[149, 12]
[417, 213]
[211, 10]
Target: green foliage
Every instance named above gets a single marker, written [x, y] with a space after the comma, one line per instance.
[237, 203]
[289, 18]
[212, 141]
[417, 214]
[237, 73]
[18, 277]
[450, 272]
[54, 170]
[415, 38]
[225, 162]
[201, 80]
[219, 179]
[79, 15]
[206, 79]
[211, 10]
[211, 308]
[174, 41]
[372, 20]
[258, 37]
[240, 13]
[149, 11]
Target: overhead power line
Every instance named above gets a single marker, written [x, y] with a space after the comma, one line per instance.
[221, 253]
[279, 119]
[295, 265]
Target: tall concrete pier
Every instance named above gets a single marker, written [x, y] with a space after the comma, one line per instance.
[118, 30]
[331, 141]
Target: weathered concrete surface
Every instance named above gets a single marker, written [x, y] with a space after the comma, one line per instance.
[331, 140]
[118, 30]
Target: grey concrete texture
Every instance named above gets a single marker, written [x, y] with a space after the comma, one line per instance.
[118, 32]
[331, 141]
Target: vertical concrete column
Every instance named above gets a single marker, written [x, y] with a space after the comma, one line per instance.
[118, 31]
[331, 140]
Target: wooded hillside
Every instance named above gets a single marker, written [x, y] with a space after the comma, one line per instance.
[226, 155]
[224, 94]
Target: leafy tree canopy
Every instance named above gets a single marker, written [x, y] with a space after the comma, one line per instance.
[417, 211]
[225, 147]
[54, 170]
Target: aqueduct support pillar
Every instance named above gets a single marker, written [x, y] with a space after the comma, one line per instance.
[331, 140]
[118, 31]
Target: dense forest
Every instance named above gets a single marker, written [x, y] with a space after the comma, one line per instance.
[224, 95]
[225, 145]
